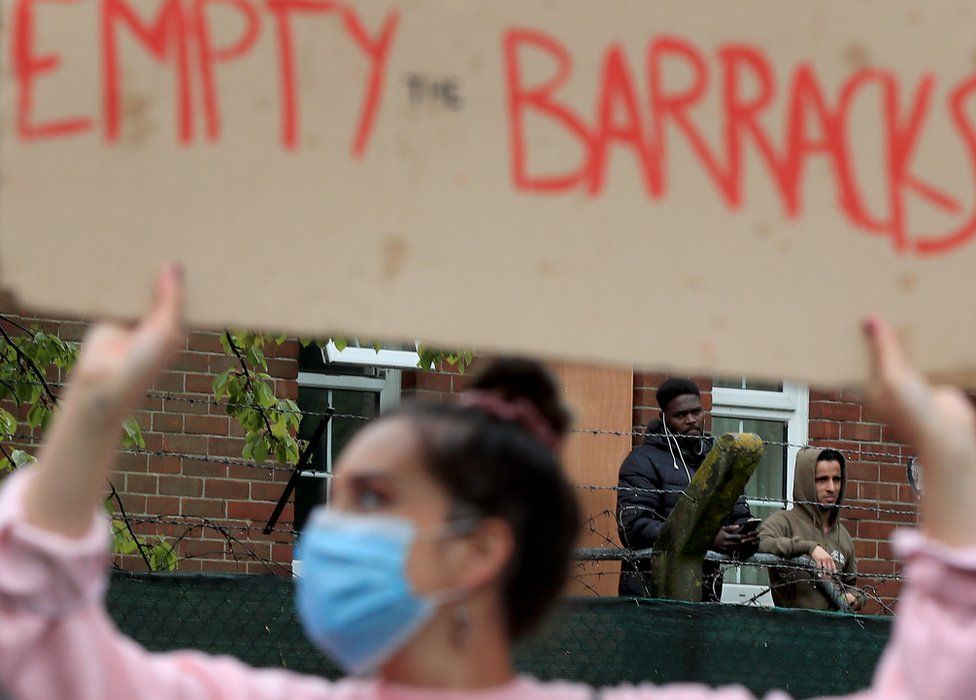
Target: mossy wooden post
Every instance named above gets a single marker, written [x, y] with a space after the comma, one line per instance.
[691, 528]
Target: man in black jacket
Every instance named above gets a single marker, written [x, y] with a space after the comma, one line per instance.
[652, 479]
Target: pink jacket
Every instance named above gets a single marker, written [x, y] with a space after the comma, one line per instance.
[58, 643]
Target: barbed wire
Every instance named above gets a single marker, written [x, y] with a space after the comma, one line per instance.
[202, 399]
[612, 551]
[583, 555]
[195, 457]
[205, 522]
[869, 592]
[635, 433]
[749, 499]
[272, 467]
[759, 560]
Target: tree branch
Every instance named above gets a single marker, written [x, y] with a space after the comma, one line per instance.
[249, 380]
[14, 323]
[13, 392]
[128, 526]
[28, 364]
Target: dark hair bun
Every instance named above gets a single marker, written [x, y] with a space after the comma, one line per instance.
[519, 378]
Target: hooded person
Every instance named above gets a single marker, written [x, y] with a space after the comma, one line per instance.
[652, 479]
[813, 528]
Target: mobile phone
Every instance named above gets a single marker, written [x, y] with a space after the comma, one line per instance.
[749, 526]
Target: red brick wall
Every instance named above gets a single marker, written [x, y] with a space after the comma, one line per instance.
[438, 384]
[876, 482]
[207, 478]
[192, 467]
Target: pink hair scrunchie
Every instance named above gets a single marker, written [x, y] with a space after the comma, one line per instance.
[522, 412]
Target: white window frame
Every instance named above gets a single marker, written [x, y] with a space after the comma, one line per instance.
[387, 384]
[349, 355]
[790, 405]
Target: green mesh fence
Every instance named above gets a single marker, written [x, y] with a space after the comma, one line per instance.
[601, 641]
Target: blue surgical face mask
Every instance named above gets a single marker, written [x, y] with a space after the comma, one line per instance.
[353, 596]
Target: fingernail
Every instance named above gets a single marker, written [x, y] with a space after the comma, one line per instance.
[176, 269]
[870, 325]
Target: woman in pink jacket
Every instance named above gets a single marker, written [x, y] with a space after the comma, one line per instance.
[425, 567]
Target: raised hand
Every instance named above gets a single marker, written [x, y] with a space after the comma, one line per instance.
[116, 367]
[939, 424]
[118, 363]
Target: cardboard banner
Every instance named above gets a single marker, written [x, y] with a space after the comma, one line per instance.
[704, 185]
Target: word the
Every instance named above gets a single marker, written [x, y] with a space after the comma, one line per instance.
[443, 91]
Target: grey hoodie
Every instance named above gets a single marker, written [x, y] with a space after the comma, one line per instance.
[792, 533]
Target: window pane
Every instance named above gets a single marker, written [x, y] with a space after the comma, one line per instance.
[313, 400]
[756, 385]
[309, 492]
[746, 383]
[350, 403]
[768, 481]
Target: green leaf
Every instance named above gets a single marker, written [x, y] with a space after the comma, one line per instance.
[265, 395]
[20, 458]
[250, 419]
[132, 434]
[235, 391]
[255, 356]
[162, 557]
[225, 345]
[221, 384]
[279, 427]
[171, 559]
[340, 343]
[292, 453]
[22, 390]
[260, 451]
[8, 423]
[37, 415]
[122, 540]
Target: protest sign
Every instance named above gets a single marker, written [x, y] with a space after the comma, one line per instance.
[705, 185]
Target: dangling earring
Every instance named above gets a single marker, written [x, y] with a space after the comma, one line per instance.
[460, 625]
